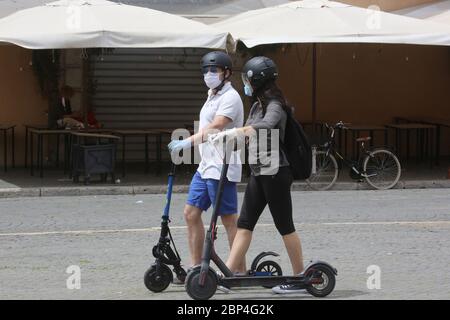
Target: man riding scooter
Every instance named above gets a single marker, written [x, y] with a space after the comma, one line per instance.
[223, 109]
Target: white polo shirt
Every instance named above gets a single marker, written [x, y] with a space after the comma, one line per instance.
[228, 103]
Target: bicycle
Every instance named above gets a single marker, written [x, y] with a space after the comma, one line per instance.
[379, 166]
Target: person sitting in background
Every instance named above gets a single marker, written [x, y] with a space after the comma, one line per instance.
[66, 118]
[66, 93]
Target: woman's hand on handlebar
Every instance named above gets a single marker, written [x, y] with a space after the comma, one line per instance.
[219, 137]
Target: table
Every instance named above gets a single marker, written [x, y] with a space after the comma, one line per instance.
[169, 132]
[91, 131]
[124, 133]
[439, 123]
[5, 130]
[161, 132]
[356, 129]
[41, 130]
[92, 134]
[424, 135]
[40, 133]
[321, 125]
[27, 128]
[156, 132]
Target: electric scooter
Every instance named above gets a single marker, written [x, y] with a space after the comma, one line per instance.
[158, 277]
[318, 278]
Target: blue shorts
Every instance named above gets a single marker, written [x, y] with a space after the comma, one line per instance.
[202, 193]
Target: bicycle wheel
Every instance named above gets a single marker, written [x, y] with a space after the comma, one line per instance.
[382, 168]
[326, 172]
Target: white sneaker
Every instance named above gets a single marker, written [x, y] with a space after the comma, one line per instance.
[288, 288]
[224, 289]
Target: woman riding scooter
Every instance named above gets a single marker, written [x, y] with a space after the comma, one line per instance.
[270, 182]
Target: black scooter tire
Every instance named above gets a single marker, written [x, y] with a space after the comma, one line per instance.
[324, 289]
[158, 282]
[193, 288]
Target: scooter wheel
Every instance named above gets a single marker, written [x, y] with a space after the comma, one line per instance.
[158, 281]
[195, 290]
[323, 281]
[270, 267]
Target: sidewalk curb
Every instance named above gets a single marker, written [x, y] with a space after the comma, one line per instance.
[161, 189]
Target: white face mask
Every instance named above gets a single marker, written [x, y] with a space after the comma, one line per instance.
[212, 80]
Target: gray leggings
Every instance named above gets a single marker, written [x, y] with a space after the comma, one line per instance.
[273, 190]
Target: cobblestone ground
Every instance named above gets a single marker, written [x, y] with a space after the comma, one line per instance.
[404, 232]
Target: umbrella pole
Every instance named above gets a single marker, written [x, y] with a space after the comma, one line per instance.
[314, 88]
[85, 80]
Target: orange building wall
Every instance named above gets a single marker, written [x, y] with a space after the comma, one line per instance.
[368, 83]
[20, 98]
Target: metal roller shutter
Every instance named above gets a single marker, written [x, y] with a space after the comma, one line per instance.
[147, 88]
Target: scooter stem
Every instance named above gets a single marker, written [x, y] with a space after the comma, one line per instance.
[208, 246]
[169, 192]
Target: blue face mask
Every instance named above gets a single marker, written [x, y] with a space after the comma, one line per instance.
[248, 90]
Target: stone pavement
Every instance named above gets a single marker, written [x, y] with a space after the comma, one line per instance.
[404, 232]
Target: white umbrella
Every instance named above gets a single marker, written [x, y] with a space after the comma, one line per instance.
[320, 21]
[101, 23]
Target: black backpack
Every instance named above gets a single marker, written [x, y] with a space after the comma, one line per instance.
[297, 148]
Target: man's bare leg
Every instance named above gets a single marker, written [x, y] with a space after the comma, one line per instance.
[230, 223]
[196, 232]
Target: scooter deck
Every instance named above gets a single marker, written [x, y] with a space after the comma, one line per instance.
[253, 281]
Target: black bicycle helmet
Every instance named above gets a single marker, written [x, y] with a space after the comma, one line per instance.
[217, 59]
[258, 70]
